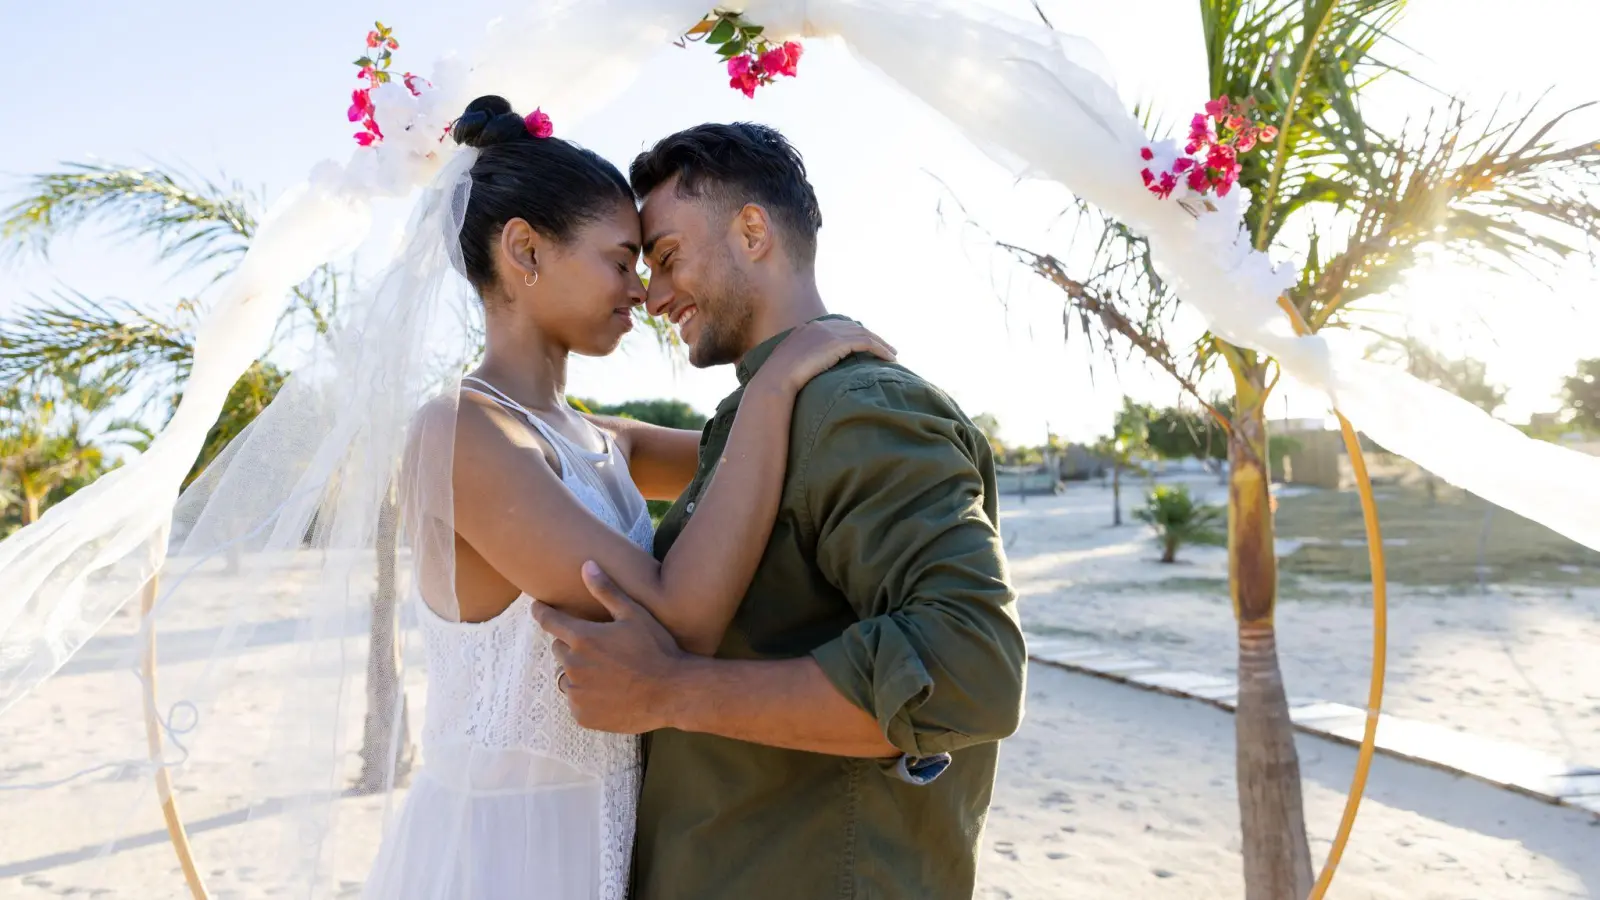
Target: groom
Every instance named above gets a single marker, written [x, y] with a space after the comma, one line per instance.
[843, 741]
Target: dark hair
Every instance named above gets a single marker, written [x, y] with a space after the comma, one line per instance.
[734, 165]
[554, 185]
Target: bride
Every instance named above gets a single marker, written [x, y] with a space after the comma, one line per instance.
[513, 798]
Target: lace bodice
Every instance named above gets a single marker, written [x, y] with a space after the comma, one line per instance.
[492, 685]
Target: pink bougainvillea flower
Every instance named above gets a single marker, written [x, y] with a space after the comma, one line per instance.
[539, 124]
[1247, 141]
[1197, 180]
[782, 60]
[1217, 108]
[1182, 164]
[747, 83]
[412, 82]
[739, 66]
[1148, 176]
[1236, 122]
[1146, 154]
[373, 39]
[360, 104]
[365, 138]
[393, 44]
[1269, 133]
[774, 61]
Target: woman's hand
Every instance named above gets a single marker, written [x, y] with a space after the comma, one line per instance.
[816, 347]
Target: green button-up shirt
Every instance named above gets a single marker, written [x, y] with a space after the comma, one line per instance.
[885, 566]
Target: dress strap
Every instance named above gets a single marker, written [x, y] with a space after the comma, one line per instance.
[485, 389]
[576, 461]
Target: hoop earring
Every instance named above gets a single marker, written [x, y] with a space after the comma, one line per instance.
[533, 282]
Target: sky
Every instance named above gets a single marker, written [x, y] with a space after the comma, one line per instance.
[257, 94]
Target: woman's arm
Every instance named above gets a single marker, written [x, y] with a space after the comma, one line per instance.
[661, 460]
[512, 508]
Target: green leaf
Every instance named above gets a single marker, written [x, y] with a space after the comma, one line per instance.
[731, 49]
[722, 33]
[751, 31]
[364, 62]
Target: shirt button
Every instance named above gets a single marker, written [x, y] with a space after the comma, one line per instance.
[690, 508]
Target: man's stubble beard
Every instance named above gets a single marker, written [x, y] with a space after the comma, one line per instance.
[725, 329]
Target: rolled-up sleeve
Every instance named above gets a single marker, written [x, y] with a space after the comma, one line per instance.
[898, 493]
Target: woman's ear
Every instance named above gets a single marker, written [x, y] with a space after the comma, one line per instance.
[520, 251]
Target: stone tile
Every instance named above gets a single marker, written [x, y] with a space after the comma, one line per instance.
[1591, 804]
[1053, 645]
[1568, 784]
[1496, 761]
[1117, 665]
[1184, 682]
[1321, 709]
[1069, 655]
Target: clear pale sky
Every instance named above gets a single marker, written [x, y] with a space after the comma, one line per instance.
[259, 91]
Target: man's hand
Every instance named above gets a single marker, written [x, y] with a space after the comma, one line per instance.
[617, 675]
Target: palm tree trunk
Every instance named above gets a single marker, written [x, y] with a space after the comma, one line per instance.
[31, 504]
[386, 737]
[1277, 857]
[1116, 494]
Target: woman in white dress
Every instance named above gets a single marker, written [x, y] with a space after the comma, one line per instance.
[513, 799]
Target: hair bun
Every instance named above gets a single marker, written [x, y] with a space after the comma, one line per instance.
[487, 121]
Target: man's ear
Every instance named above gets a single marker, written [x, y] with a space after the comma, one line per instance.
[753, 232]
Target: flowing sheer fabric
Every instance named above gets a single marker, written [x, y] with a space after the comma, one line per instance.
[336, 502]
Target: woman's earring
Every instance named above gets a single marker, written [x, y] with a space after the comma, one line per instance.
[531, 281]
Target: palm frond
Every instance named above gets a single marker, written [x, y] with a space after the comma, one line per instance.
[1304, 62]
[75, 335]
[200, 222]
[1497, 190]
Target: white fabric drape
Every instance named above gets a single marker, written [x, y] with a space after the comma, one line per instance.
[319, 468]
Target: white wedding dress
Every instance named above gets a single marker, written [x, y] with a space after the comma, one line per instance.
[513, 798]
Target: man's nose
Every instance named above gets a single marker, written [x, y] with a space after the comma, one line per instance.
[658, 296]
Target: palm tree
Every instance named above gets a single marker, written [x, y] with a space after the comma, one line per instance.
[1360, 206]
[1128, 443]
[42, 458]
[1171, 511]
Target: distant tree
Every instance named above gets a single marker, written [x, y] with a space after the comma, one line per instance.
[989, 424]
[1580, 396]
[1466, 378]
[666, 413]
[1128, 442]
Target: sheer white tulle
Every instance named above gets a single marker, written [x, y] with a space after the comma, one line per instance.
[338, 499]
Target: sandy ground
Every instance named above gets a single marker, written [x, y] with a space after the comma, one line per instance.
[1519, 662]
[1106, 792]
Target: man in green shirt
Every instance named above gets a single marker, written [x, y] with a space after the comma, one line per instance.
[843, 741]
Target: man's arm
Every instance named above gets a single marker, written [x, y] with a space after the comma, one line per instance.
[899, 491]
[629, 676]
[784, 703]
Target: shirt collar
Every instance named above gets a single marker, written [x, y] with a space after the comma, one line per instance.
[760, 353]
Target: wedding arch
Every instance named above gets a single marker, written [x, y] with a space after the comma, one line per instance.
[1040, 103]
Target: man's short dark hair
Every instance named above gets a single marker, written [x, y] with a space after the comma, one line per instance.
[734, 165]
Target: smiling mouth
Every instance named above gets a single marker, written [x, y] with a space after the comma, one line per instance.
[682, 317]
